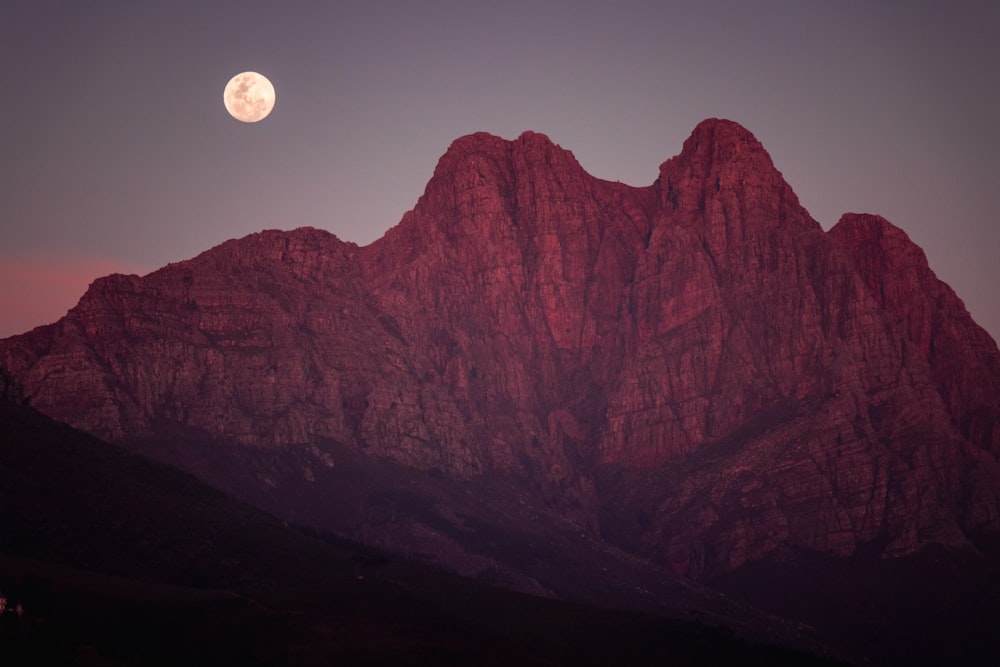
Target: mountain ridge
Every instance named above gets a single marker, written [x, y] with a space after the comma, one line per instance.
[692, 370]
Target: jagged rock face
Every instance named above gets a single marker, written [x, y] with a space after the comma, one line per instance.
[962, 357]
[510, 282]
[693, 370]
[769, 372]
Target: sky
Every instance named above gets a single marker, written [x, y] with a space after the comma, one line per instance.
[117, 154]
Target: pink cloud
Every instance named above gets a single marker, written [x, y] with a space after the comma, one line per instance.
[39, 291]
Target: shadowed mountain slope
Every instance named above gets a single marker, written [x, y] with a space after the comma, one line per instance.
[119, 560]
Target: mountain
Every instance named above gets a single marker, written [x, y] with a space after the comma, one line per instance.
[537, 367]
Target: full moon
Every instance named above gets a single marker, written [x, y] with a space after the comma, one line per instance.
[249, 97]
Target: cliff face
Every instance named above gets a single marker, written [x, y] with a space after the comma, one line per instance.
[693, 370]
[962, 357]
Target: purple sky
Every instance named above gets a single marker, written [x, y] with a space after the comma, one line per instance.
[116, 152]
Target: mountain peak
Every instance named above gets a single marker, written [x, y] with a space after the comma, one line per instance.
[717, 144]
[530, 136]
[480, 174]
[722, 130]
[877, 245]
[865, 220]
[478, 146]
[725, 179]
[868, 227]
[477, 143]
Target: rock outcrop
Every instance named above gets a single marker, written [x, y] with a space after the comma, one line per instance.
[694, 370]
[962, 357]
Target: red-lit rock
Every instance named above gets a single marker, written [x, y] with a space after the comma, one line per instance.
[962, 357]
[694, 369]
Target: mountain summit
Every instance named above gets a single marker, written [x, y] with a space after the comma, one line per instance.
[693, 373]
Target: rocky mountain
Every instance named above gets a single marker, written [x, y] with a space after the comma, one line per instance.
[691, 374]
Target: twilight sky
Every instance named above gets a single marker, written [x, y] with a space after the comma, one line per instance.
[116, 153]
